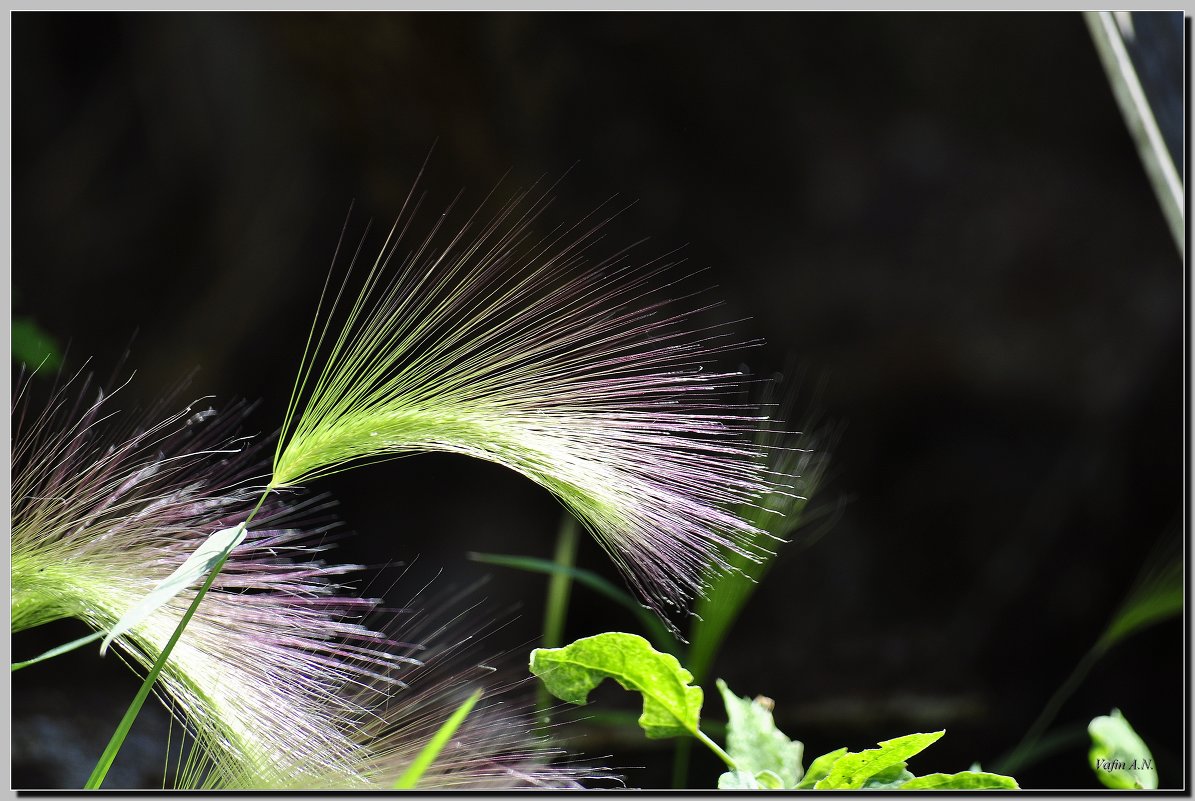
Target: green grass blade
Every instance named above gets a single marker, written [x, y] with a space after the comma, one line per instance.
[169, 734]
[1062, 738]
[435, 745]
[680, 763]
[560, 583]
[656, 631]
[122, 730]
[212, 550]
[59, 650]
[1157, 596]
[556, 603]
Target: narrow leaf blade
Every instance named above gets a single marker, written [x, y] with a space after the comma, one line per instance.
[1157, 597]
[210, 552]
[100, 771]
[660, 636]
[59, 650]
[435, 745]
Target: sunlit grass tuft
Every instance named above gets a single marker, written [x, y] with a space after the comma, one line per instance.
[581, 375]
[277, 680]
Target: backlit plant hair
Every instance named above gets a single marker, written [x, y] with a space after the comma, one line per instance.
[516, 349]
[502, 345]
[279, 682]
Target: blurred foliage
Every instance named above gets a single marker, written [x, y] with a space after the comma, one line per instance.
[1118, 756]
[33, 347]
[1157, 595]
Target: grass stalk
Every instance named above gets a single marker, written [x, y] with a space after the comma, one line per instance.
[655, 631]
[435, 745]
[98, 774]
[560, 585]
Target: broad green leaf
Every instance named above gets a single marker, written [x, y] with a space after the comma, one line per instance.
[967, 780]
[852, 771]
[206, 556]
[885, 768]
[820, 769]
[889, 778]
[671, 707]
[754, 742]
[1119, 756]
[435, 745]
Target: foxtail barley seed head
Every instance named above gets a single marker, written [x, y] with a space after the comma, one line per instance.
[277, 678]
[579, 374]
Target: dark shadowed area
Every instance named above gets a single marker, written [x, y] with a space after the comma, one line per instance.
[941, 220]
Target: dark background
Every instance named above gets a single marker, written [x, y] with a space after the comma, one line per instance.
[941, 218]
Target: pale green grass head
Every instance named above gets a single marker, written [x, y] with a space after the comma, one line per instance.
[516, 348]
[277, 680]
